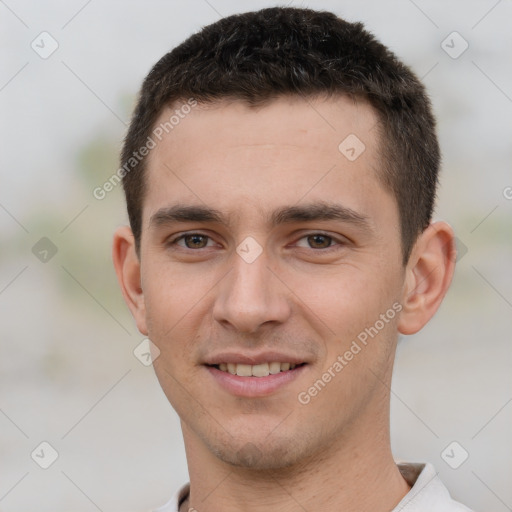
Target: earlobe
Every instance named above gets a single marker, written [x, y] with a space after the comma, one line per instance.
[128, 270]
[429, 273]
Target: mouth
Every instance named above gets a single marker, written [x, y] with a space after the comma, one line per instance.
[256, 370]
[255, 380]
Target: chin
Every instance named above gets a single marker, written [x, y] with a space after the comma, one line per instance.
[259, 456]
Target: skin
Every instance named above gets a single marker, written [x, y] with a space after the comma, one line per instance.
[250, 454]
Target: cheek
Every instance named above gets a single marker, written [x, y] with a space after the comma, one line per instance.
[358, 309]
[172, 291]
[169, 299]
[174, 301]
[348, 300]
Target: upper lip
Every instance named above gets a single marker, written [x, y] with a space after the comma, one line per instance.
[253, 359]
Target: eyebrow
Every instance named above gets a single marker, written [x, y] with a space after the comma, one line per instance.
[318, 211]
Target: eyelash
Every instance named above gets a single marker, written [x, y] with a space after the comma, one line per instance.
[337, 242]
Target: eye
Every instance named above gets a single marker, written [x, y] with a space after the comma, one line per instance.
[191, 241]
[319, 241]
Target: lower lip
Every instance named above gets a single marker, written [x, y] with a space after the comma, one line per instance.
[252, 387]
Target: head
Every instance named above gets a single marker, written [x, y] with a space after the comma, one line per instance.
[281, 212]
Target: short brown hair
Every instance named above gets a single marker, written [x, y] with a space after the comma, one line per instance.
[259, 56]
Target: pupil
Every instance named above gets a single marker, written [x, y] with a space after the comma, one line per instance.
[196, 240]
[318, 240]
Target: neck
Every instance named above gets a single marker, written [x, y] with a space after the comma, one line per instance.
[356, 472]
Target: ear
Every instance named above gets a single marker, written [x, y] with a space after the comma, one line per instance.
[429, 273]
[127, 265]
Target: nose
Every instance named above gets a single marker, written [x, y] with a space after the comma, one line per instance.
[251, 296]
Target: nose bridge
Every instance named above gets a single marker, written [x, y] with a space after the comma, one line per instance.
[249, 296]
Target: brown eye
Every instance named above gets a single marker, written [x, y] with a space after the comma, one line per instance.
[195, 241]
[319, 241]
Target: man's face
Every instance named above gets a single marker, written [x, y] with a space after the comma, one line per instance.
[275, 279]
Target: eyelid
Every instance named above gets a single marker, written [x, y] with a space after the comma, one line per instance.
[174, 239]
[340, 240]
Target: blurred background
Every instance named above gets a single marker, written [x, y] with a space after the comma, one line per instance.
[69, 376]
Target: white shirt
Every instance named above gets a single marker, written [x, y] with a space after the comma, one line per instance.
[427, 494]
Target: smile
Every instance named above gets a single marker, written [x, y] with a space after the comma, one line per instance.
[256, 370]
[253, 381]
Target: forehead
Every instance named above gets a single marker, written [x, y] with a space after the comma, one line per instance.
[233, 157]
[315, 122]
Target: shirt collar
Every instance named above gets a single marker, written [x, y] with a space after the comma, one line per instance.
[427, 490]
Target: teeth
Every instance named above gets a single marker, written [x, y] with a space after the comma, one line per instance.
[274, 368]
[257, 370]
[260, 370]
[244, 370]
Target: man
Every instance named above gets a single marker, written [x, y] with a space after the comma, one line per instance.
[280, 173]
